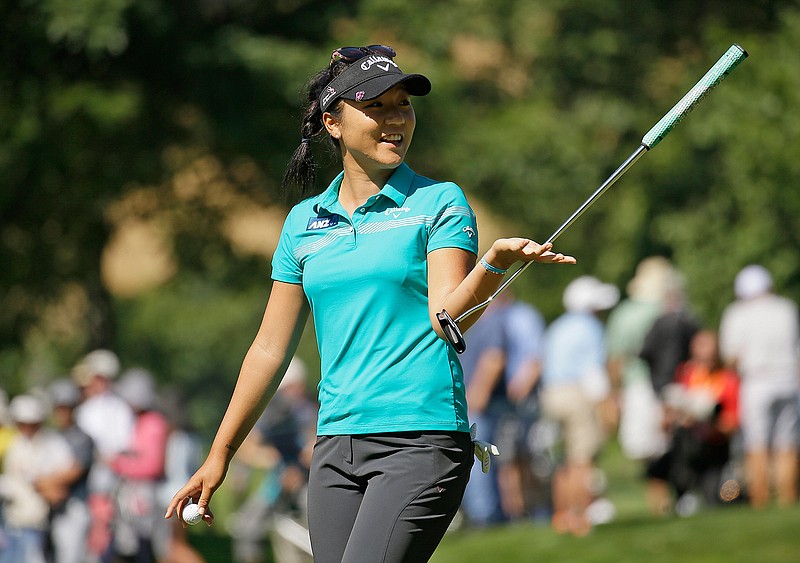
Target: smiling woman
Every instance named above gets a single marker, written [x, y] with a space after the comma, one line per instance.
[373, 258]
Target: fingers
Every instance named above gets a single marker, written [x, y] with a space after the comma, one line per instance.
[176, 504]
[208, 516]
[544, 253]
[202, 504]
[179, 502]
[526, 250]
[557, 258]
[179, 511]
[183, 497]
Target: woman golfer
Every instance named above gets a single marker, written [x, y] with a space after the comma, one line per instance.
[373, 258]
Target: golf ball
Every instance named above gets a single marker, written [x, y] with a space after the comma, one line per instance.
[191, 515]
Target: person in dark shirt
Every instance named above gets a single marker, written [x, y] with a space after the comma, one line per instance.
[667, 343]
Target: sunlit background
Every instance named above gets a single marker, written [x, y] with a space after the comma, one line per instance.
[142, 143]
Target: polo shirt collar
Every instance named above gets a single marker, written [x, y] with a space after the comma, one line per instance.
[397, 189]
[399, 184]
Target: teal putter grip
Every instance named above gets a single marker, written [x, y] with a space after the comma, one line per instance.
[716, 74]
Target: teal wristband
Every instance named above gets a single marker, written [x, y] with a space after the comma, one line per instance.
[491, 269]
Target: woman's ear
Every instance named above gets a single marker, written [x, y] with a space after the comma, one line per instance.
[331, 125]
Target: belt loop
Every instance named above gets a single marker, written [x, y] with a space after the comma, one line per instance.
[346, 448]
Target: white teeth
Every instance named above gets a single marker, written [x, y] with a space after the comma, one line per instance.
[393, 138]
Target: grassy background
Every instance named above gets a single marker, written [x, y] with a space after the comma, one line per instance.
[729, 534]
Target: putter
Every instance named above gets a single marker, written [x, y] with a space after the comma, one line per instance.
[716, 74]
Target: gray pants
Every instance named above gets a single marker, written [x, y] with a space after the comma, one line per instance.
[383, 498]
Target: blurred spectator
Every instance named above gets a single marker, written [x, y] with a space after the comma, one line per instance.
[665, 347]
[141, 469]
[666, 344]
[69, 520]
[279, 446]
[702, 407]
[108, 420]
[521, 490]
[574, 382]
[759, 336]
[7, 429]
[183, 457]
[640, 433]
[484, 363]
[7, 433]
[34, 454]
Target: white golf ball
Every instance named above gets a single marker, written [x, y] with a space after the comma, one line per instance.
[191, 515]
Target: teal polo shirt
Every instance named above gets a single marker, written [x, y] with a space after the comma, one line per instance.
[384, 369]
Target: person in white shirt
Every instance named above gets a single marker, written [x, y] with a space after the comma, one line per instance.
[109, 421]
[760, 338]
[34, 454]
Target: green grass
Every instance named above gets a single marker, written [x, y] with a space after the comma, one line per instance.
[728, 534]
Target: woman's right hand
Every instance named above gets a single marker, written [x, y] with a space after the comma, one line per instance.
[199, 489]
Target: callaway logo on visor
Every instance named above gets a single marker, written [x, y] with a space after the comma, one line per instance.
[367, 63]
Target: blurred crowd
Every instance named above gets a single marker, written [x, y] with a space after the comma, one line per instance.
[89, 464]
[91, 461]
[708, 415]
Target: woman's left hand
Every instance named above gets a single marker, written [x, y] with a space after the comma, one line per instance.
[506, 251]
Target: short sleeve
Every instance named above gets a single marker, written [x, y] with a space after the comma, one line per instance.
[285, 266]
[454, 226]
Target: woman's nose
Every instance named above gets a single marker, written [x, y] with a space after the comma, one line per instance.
[395, 115]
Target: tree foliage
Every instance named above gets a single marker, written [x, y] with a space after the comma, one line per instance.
[171, 121]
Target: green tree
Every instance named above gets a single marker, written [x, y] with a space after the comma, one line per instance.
[97, 97]
[172, 121]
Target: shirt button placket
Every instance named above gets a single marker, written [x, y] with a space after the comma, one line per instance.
[359, 220]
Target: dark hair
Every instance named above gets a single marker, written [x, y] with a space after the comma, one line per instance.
[300, 175]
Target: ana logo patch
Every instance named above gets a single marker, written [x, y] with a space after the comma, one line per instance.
[317, 223]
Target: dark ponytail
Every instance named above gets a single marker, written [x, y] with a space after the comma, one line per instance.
[300, 175]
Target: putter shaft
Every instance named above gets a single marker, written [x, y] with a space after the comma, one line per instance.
[564, 226]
